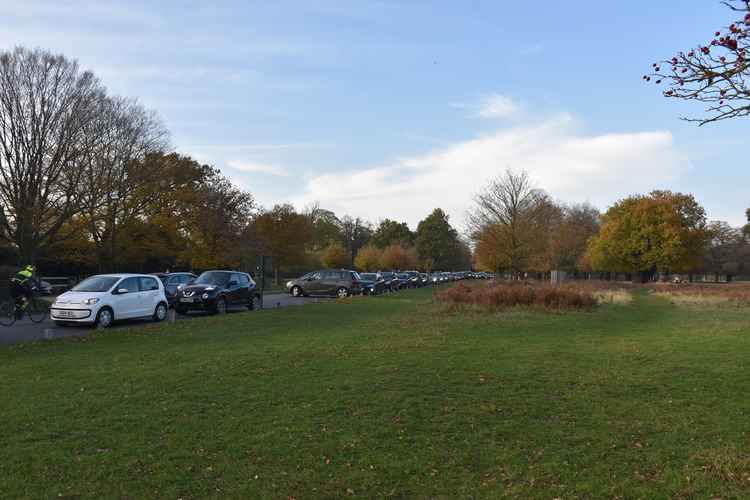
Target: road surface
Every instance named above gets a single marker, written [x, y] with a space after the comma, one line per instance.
[26, 331]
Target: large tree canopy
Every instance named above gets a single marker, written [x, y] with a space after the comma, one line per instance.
[663, 231]
[510, 224]
[48, 130]
[390, 232]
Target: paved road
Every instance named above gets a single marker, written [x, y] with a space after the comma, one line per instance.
[26, 331]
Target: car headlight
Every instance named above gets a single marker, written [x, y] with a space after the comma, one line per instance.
[289, 284]
[90, 302]
[205, 296]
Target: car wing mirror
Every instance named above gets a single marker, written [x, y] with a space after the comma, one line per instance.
[121, 291]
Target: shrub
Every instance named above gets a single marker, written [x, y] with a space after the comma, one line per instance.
[497, 295]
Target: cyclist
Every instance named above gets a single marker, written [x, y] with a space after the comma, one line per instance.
[20, 286]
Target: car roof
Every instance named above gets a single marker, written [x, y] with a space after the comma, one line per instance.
[122, 275]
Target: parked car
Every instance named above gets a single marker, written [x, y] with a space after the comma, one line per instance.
[405, 280]
[414, 279]
[424, 278]
[107, 298]
[392, 283]
[217, 291]
[372, 284]
[339, 283]
[173, 283]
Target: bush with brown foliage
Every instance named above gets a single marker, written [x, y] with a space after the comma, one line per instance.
[502, 295]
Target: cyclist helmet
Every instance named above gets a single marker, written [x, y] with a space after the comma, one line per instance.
[30, 268]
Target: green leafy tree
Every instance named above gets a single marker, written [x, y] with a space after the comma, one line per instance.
[390, 232]
[663, 231]
[437, 242]
[326, 228]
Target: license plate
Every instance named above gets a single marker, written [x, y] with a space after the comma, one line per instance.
[64, 314]
[186, 300]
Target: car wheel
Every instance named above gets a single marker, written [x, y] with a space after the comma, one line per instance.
[161, 311]
[296, 291]
[254, 304]
[342, 292]
[105, 318]
[221, 306]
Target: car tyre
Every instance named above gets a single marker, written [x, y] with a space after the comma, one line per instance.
[297, 291]
[161, 312]
[105, 317]
[342, 292]
[221, 306]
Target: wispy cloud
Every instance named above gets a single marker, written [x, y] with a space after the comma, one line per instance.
[498, 106]
[572, 166]
[259, 168]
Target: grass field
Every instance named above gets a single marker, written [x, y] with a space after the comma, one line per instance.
[387, 397]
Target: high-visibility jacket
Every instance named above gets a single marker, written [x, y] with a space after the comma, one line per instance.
[23, 276]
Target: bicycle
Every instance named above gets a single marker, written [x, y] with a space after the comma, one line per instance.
[11, 311]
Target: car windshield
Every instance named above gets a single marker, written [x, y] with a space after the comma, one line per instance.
[369, 276]
[96, 284]
[213, 278]
[386, 275]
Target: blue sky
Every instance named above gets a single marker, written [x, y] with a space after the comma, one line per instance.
[390, 109]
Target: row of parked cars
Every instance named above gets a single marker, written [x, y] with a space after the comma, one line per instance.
[104, 299]
[346, 282]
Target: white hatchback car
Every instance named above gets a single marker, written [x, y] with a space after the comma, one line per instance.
[108, 297]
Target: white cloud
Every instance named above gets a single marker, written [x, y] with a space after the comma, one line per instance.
[498, 106]
[570, 165]
[259, 168]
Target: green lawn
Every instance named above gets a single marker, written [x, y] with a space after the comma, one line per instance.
[386, 397]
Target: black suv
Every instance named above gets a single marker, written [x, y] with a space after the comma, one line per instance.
[216, 291]
[174, 282]
[339, 283]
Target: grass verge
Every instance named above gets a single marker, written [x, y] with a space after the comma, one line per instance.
[385, 397]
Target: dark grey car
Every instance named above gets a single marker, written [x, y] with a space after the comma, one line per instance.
[337, 283]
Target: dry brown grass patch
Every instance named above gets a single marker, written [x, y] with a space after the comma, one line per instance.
[732, 294]
[502, 295]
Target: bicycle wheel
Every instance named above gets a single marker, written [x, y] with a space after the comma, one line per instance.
[36, 311]
[7, 313]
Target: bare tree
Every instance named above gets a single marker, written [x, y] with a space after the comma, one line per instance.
[714, 73]
[46, 105]
[115, 175]
[510, 220]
